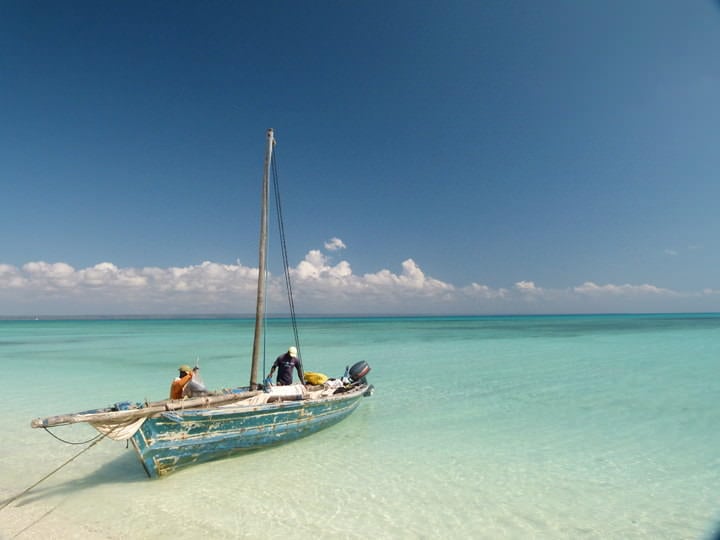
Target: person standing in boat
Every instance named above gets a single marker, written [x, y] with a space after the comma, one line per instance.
[285, 364]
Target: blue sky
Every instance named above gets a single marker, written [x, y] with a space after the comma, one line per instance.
[435, 157]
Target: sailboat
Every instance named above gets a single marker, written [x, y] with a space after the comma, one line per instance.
[172, 434]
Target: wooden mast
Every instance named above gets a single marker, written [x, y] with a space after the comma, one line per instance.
[262, 264]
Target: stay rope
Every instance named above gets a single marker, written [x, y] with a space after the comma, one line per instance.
[283, 247]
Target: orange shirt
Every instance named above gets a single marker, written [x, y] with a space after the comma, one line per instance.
[176, 389]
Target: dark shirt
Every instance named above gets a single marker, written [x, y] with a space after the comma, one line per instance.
[285, 364]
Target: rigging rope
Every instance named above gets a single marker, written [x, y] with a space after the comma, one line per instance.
[70, 442]
[283, 247]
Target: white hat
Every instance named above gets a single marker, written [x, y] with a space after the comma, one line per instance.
[292, 351]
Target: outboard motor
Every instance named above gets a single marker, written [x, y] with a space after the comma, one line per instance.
[358, 371]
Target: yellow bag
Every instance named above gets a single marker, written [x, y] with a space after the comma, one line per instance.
[315, 378]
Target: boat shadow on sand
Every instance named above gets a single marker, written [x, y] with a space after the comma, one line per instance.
[122, 469]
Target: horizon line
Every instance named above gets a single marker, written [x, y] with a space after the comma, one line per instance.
[231, 316]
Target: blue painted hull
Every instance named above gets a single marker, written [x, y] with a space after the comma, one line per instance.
[173, 440]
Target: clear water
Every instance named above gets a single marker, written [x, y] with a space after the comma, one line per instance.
[507, 427]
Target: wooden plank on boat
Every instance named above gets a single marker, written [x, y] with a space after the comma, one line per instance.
[110, 415]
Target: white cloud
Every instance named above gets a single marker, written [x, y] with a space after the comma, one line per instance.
[315, 266]
[320, 286]
[334, 244]
[50, 277]
[590, 288]
[671, 252]
[527, 287]
[106, 288]
[11, 277]
[475, 290]
[411, 278]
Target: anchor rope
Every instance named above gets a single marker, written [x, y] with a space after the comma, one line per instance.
[16, 497]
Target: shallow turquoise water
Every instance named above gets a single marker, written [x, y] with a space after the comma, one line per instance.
[504, 427]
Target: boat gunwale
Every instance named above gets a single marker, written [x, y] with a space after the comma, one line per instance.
[199, 404]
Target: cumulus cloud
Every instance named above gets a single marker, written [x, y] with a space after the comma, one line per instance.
[411, 278]
[528, 287]
[320, 286]
[478, 291]
[334, 244]
[128, 290]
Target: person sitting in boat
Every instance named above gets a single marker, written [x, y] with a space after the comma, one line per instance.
[285, 364]
[184, 385]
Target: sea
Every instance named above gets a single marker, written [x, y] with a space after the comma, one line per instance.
[547, 427]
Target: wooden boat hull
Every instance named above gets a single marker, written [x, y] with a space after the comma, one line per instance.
[176, 439]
